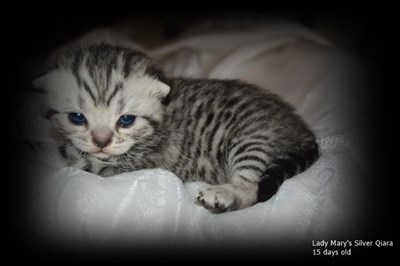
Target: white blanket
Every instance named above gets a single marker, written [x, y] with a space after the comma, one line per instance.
[153, 207]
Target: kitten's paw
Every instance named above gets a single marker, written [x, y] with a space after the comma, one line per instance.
[216, 199]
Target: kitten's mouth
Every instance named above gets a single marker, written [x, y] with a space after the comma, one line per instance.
[101, 154]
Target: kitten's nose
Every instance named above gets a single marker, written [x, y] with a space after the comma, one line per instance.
[102, 138]
[101, 143]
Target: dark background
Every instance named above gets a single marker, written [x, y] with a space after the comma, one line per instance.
[32, 31]
[360, 29]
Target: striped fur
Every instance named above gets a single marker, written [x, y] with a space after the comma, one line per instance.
[242, 140]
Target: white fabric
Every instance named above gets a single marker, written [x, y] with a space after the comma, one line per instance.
[154, 207]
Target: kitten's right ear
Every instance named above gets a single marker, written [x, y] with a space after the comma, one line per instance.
[39, 83]
[43, 82]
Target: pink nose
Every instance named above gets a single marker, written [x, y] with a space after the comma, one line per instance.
[101, 143]
[102, 138]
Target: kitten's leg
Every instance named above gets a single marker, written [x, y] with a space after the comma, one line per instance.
[241, 192]
[250, 177]
[228, 197]
[248, 160]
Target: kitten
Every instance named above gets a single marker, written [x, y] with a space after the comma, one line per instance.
[114, 111]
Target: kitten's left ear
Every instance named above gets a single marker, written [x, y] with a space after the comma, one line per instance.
[162, 90]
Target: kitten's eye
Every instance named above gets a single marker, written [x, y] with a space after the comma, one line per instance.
[126, 120]
[77, 119]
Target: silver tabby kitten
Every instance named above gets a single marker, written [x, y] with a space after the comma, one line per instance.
[114, 111]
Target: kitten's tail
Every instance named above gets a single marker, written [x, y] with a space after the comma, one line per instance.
[285, 166]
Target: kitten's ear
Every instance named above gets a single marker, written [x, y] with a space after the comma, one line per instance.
[43, 82]
[162, 90]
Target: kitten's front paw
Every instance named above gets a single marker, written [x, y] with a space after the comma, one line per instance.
[216, 199]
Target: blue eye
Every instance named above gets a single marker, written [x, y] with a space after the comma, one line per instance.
[126, 120]
[77, 119]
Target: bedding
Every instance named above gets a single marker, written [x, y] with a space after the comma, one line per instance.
[152, 207]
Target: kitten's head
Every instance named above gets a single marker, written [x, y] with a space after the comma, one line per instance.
[106, 99]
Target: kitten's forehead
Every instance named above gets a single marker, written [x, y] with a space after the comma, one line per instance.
[103, 58]
[104, 70]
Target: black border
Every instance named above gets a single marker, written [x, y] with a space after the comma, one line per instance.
[36, 29]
